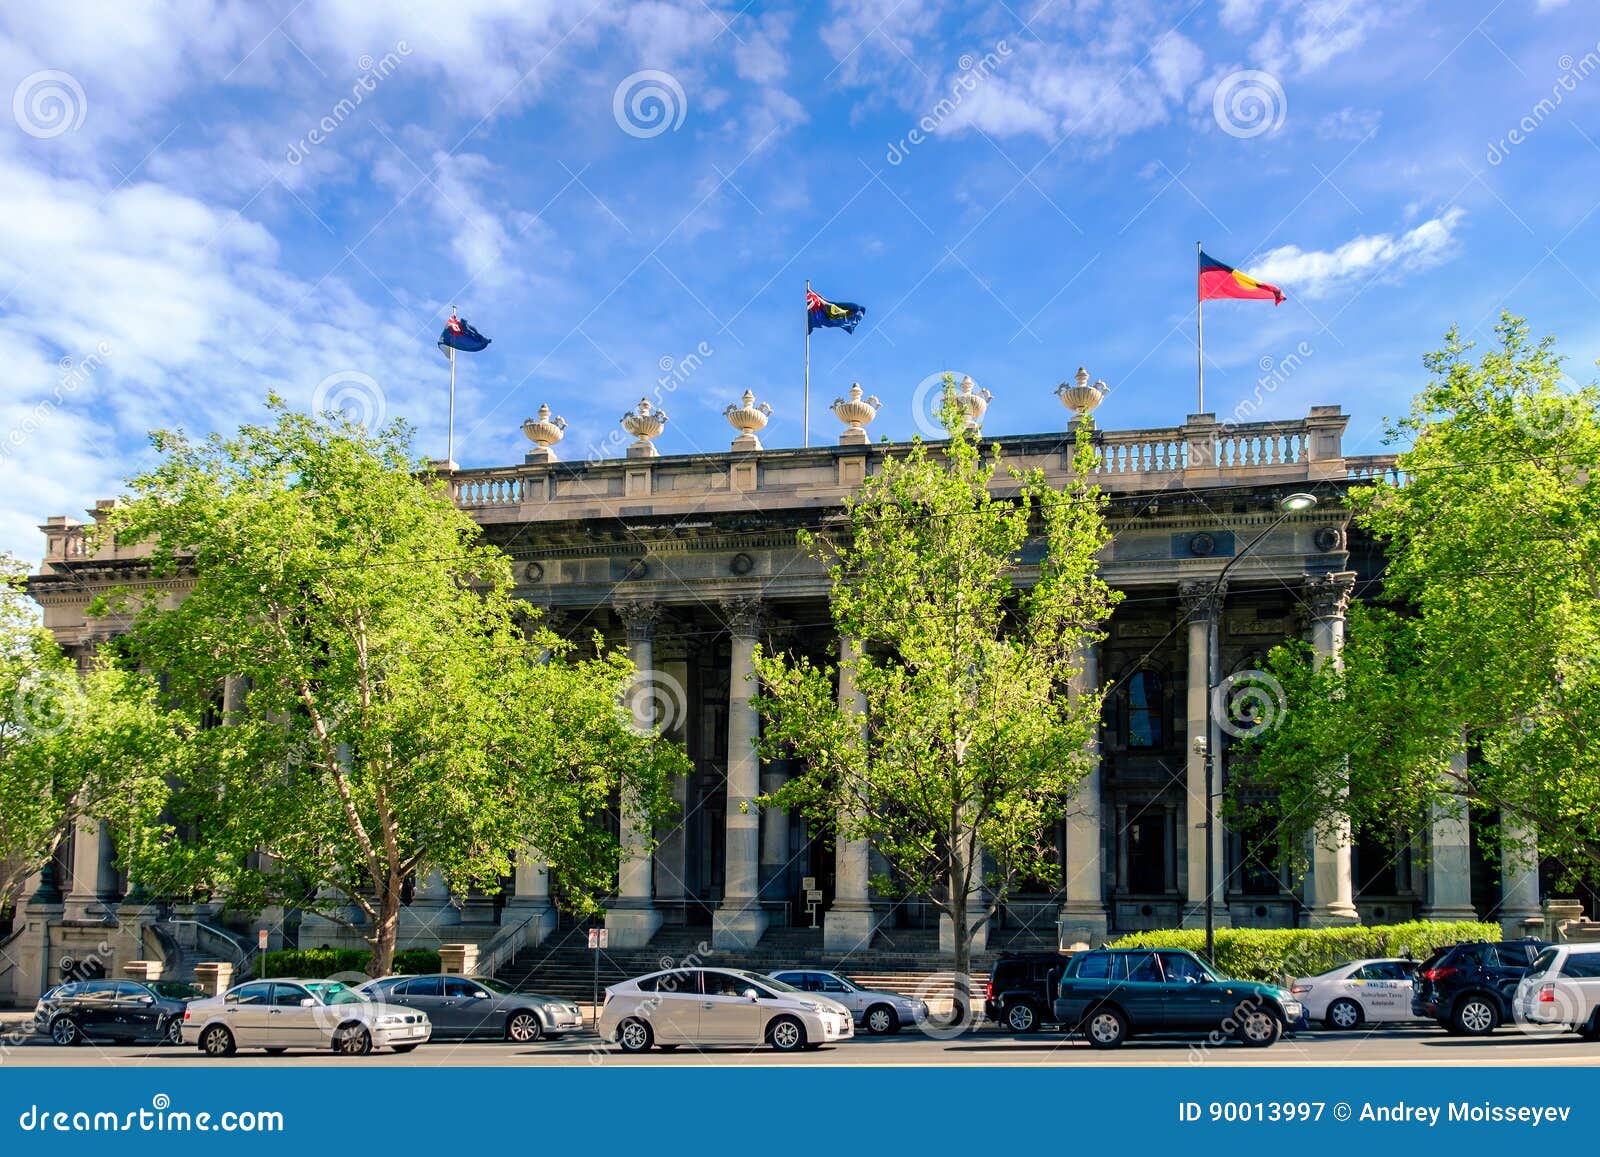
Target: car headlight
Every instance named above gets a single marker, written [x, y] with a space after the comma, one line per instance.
[391, 1021]
[816, 1008]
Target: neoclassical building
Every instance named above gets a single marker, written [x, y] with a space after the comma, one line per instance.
[691, 559]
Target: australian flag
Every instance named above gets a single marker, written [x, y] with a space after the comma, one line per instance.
[820, 313]
[459, 335]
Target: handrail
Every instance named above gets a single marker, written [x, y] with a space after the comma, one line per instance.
[241, 954]
[502, 947]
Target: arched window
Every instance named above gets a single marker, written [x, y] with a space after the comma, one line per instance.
[1145, 722]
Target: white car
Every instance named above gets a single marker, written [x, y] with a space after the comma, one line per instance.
[719, 1006]
[877, 1012]
[1562, 988]
[1357, 993]
[278, 1015]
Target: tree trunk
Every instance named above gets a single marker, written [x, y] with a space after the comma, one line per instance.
[961, 984]
[386, 930]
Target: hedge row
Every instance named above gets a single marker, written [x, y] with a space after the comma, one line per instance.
[1277, 954]
[320, 962]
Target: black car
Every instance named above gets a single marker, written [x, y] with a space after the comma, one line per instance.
[128, 1011]
[1468, 988]
[1022, 989]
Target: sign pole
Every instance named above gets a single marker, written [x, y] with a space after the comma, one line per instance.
[805, 419]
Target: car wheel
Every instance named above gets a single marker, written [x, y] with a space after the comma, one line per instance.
[881, 1020]
[1258, 1027]
[1591, 1030]
[173, 1033]
[65, 1031]
[634, 1036]
[522, 1027]
[1343, 1014]
[404, 1048]
[1105, 1028]
[1476, 1016]
[786, 1034]
[1022, 1017]
[352, 1041]
[217, 1041]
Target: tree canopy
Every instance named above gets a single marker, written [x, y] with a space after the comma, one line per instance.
[373, 702]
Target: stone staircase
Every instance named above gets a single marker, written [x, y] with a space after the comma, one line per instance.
[898, 960]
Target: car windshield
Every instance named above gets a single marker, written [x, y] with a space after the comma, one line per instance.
[499, 988]
[1542, 962]
[332, 992]
[771, 982]
[173, 990]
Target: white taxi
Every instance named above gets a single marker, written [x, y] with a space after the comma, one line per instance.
[1357, 993]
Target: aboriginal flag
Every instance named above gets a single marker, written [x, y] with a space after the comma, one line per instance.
[1219, 280]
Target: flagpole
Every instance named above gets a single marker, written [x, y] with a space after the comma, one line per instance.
[1200, 336]
[805, 421]
[450, 450]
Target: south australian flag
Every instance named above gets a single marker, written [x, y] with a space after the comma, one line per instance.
[459, 335]
[824, 314]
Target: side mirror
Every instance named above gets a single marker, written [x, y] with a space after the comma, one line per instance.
[751, 995]
[307, 1002]
[480, 995]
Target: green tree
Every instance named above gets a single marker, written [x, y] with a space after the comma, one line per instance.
[72, 748]
[386, 708]
[1486, 638]
[970, 610]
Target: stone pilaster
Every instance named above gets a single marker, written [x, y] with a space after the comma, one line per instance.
[1201, 607]
[530, 898]
[633, 919]
[740, 921]
[1083, 918]
[1329, 889]
[849, 923]
[1519, 879]
[89, 898]
[1449, 851]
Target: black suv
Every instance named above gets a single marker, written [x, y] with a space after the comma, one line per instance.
[1468, 988]
[114, 1010]
[1022, 989]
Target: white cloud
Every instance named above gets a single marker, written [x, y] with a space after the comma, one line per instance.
[1317, 272]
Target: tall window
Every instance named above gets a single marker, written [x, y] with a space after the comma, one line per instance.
[1144, 722]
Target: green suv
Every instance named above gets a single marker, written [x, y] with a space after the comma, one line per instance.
[1112, 994]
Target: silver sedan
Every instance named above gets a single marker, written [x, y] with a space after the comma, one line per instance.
[875, 1011]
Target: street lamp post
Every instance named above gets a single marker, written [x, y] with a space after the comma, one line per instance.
[1289, 504]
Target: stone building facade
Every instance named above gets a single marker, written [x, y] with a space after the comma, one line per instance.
[690, 560]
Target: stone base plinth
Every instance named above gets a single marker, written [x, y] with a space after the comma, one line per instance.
[849, 929]
[631, 927]
[1332, 916]
[1194, 916]
[737, 929]
[1450, 914]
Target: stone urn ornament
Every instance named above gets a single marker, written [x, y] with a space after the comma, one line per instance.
[544, 432]
[749, 420]
[644, 422]
[1079, 396]
[855, 412]
[973, 402]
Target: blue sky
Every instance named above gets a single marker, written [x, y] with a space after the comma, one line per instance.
[176, 240]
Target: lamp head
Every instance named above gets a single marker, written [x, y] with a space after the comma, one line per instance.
[1201, 745]
[1294, 503]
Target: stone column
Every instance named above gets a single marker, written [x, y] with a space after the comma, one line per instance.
[775, 840]
[1201, 604]
[1329, 891]
[86, 898]
[429, 912]
[1083, 913]
[1519, 879]
[530, 898]
[632, 918]
[740, 921]
[671, 688]
[1449, 852]
[848, 925]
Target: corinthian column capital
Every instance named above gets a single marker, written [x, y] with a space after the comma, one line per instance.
[1327, 596]
[639, 619]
